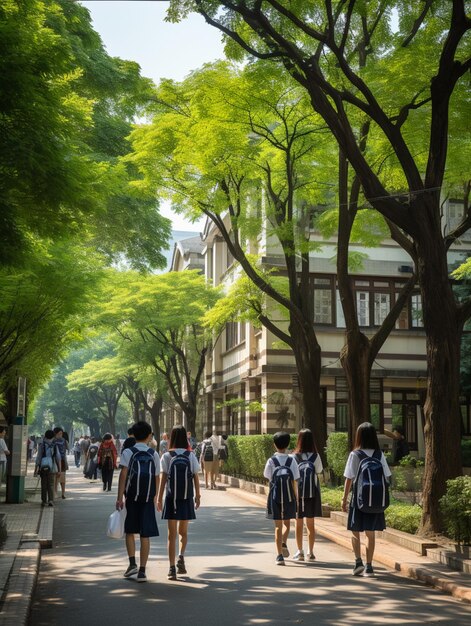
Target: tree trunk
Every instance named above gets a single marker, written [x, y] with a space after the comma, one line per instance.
[189, 412]
[356, 363]
[442, 430]
[307, 353]
[155, 411]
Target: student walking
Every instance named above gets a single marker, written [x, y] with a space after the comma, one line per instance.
[48, 462]
[282, 472]
[4, 452]
[367, 476]
[107, 460]
[77, 452]
[209, 459]
[309, 504]
[61, 440]
[181, 484]
[139, 481]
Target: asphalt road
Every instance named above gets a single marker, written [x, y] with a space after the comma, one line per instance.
[232, 577]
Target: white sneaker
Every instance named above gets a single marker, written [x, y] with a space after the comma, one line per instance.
[299, 556]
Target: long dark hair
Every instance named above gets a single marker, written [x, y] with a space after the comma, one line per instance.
[366, 437]
[305, 442]
[178, 438]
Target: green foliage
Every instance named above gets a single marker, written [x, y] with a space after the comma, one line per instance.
[248, 455]
[455, 506]
[332, 496]
[411, 461]
[403, 516]
[337, 452]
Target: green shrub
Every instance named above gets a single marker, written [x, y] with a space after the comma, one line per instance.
[248, 455]
[466, 452]
[405, 517]
[411, 461]
[337, 452]
[456, 509]
[332, 496]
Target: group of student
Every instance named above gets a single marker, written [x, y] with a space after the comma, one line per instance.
[51, 464]
[171, 484]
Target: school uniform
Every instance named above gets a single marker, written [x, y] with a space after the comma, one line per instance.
[274, 509]
[140, 516]
[358, 521]
[309, 507]
[179, 509]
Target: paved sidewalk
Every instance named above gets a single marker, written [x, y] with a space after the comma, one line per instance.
[404, 561]
[20, 555]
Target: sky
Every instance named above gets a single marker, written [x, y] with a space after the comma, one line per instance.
[135, 30]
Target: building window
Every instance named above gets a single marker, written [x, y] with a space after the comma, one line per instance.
[465, 407]
[405, 405]
[339, 312]
[341, 403]
[235, 334]
[363, 308]
[416, 311]
[322, 301]
[382, 307]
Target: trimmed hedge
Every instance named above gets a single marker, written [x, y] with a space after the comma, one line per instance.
[456, 509]
[248, 455]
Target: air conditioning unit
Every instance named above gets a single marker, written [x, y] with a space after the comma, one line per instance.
[405, 269]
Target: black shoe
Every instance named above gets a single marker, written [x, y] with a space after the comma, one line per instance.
[51, 504]
[358, 568]
[63, 497]
[141, 577]
[172, 573]
[181, 565]
[131, 571]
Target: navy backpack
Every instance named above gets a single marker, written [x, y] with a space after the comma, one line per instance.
[140, 485]
[281, 486]
[180, 477]
[370, 487]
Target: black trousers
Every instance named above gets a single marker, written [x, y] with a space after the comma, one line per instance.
[107, 477]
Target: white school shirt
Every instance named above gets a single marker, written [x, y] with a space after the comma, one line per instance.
[127, 454]
[167, 457]
[281, 456]
[318, 467]
[353, 462]
[3, 448]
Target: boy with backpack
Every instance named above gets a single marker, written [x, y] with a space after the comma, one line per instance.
[48, 461]
[282, 472]
[181, 484]
[367, 476]
[139, 482]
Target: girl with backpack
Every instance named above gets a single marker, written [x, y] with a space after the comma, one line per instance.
[107, 460]
[309, 494]
[180, 482]
[367, 472]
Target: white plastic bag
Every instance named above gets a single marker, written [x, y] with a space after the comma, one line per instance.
[115, 528]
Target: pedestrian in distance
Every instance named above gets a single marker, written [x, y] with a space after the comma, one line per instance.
[366, 476]
[47, 466]
[4, 452]
[181, 485]
[90, 470]
[223, 454]
[77, 451]
[163, 445]
[191, 440]
[63, 446]
[107, 460]
[84, 445]
[309, 504]
[209, 459]
[139, 482]
[400, 447]
[282, 472]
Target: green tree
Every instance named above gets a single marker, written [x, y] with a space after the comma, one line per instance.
[66, 108]
[315, 42]
[158, 320]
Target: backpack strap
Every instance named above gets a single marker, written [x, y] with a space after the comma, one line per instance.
[275, 460]
[377, 455]
[289, 461]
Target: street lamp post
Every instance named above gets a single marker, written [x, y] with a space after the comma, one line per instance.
[18, 448]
